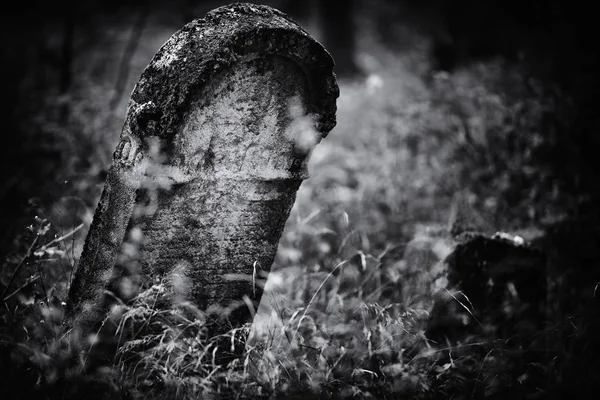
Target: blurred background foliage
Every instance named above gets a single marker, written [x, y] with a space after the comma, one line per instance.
[453, 117]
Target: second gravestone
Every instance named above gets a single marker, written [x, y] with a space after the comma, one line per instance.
[214, 147]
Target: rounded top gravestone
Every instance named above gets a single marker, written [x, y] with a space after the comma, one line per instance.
[214, 147]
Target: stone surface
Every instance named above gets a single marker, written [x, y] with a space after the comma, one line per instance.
[214, 147]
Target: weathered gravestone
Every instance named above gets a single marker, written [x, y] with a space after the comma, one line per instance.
[503, 282]
[497, 291]
[214, 147]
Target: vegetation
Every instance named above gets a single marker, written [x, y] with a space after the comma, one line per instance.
[418, 156]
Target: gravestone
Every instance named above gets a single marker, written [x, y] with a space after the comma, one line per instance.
[495, 300]
[215, 145]
[503, 281]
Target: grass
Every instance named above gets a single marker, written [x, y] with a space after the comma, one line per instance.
[358, 272]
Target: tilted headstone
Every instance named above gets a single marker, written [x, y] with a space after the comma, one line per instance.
[220, 124]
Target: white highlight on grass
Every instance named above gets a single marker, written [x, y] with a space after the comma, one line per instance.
[373, 83]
